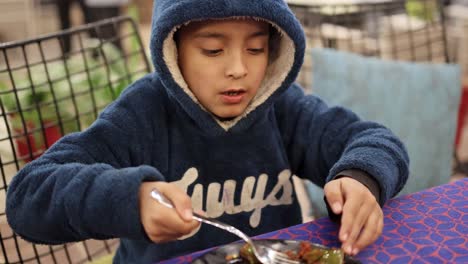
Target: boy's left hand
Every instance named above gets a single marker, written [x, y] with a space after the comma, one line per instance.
[361, 215]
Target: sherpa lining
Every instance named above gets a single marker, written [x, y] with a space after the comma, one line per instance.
[278, 68]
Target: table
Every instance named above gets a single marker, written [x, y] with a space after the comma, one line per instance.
[333, 2]
[430, 226]
[335, 7]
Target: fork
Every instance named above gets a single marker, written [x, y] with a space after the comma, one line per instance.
[263, 253]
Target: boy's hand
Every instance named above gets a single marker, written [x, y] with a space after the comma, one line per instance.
[164, 224]
[361, 215]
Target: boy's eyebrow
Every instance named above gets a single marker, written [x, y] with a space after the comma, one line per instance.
[221, 36]
[260, 34]
[209, 35]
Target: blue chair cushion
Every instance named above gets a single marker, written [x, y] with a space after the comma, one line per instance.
[417, 101]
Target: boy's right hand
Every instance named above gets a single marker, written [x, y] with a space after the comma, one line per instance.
[161, 223]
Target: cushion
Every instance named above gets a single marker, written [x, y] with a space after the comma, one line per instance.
[417, 101]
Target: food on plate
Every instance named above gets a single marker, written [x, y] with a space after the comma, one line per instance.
[307, 253]
[246, 253]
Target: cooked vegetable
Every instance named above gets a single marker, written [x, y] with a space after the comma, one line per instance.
[247, 254]
[307, 253]
[315, 255]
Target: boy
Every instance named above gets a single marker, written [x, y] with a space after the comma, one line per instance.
[219, 127]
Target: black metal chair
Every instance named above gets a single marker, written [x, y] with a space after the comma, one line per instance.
[410, 30]
[46, 93]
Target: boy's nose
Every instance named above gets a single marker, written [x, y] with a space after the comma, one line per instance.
[236, 67]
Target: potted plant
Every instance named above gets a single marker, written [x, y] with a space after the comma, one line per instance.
[45, 104]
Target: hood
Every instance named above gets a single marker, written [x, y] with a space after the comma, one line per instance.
[169, 15]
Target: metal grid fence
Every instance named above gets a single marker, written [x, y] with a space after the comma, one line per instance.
[411, 30]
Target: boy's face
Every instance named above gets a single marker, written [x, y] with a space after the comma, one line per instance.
[224, 62]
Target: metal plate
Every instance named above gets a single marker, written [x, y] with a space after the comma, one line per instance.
[221, 254]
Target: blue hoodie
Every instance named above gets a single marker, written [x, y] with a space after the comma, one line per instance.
[239, 171]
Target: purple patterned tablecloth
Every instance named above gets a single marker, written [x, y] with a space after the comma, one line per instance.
[430, 226]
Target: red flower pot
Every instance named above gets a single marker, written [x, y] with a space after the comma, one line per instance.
[32, 145]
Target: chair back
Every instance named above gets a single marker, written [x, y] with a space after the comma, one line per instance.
[417, 101]
[409, 30]
[47, 91]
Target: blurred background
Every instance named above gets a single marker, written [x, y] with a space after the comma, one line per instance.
[21, 19]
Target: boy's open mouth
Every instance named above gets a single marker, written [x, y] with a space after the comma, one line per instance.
[234, 92]
[233, 96]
